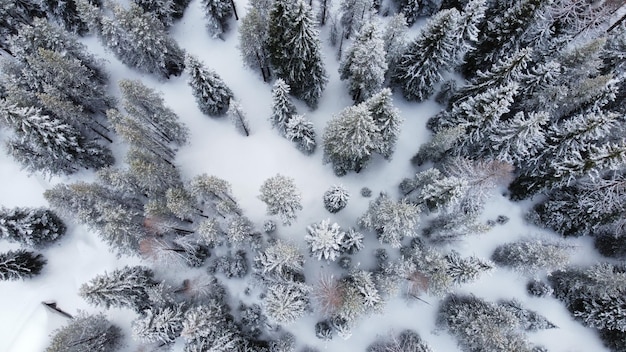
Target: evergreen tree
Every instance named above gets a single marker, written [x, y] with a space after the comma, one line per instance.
[286, 302]
[421, 67]
[409, 9]
[530, 320]
[518, 139]
[531, 255]
[407, 340]
[117, 218]
[282, 106]
[217, 13]
[122, 288]
[253, 34]
[391, 220]
[87, 333]
[364, 65]
[281, 261]
[282, 198]
[394, 38]
[336, 198]
[300, 131]
[66, 13]
[140, 41]
[464, 270]
[33, 227]
[350, 139]
[387, 118]
[163, 10]
[325, 240]
[212, 94]
[354, 14]
[15, 14]
[480, 325]
[239, 230]
[294, 50]
[238, 117]
[43, 143]
[161, 325]
[20, 264]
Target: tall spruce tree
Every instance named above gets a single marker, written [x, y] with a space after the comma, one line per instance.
[217, 13]
[253, 34]
[87, 333]
[294, 49]
[212, 94]
[350, 139]
[365, 63]
[387, 118]
[282, 106]
[20, 264]
[430, 54]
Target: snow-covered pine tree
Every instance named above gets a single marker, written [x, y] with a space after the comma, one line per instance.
[212, 94]
[294, 50]
[66, 14]
[20, 264]
[122, 288]
[439, 146]
[163, 10]
[282, 261]
[239, 230]
[392, 221]
[14, 15]
[116, 217]
[46, 144]
[518, 139]
[532, 255]
[365, 64]
[409, 9]
[325, 240]
[282, 198]
[282, 106]
[350, 139]
[162, 324]
[253, 33]
[140, 41]
[406, 340]
[33, 227]
[354, 14]
[529, 320]
[431, 54]
[336, 198]
[387, 118]
[394, 38]
[154, 176]
[216, 193]
[300, 131]
[502, 29]
[208, 327]
[238, 117]
[464, 270]
[218, 13]
[181, 203]
[481, 326]
[286, 302]
[87, 333]
[469, 19]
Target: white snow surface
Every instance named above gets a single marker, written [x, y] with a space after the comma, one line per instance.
[216, 148]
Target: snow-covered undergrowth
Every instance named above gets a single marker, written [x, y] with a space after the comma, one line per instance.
[216, 148]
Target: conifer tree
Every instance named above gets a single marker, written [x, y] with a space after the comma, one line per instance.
[33, 227]
[123, 288]
[238, 117]
[116, 217]
[20, 264]
[281, 261]
[282, 106]
[364, 65]
[163, 10]
[394, 38]
[139, 40]
[282, 198]
[87, 333]
[392, 221]
[336, 198]
[350, 139]
[387, 118]
[294, 50]
[217, 13]
[429, 55]
[325, 240]
[531, 255]
[66, 13]
[161, 325]
[519, 138]
[43, 143]
[354, 14]
[286, 302]
[15, 14]
[300, 131]
[253, 34]
[212, 94]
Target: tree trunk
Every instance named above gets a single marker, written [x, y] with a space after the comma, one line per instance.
[232, 3]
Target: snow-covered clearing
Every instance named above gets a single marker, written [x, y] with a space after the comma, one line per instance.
[216, 148]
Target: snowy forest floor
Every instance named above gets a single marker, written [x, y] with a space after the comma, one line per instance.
[216, 148]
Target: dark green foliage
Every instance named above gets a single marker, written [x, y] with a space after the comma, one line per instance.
[20, 264]
[33, 227]
[87, 333]
[610, 245]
